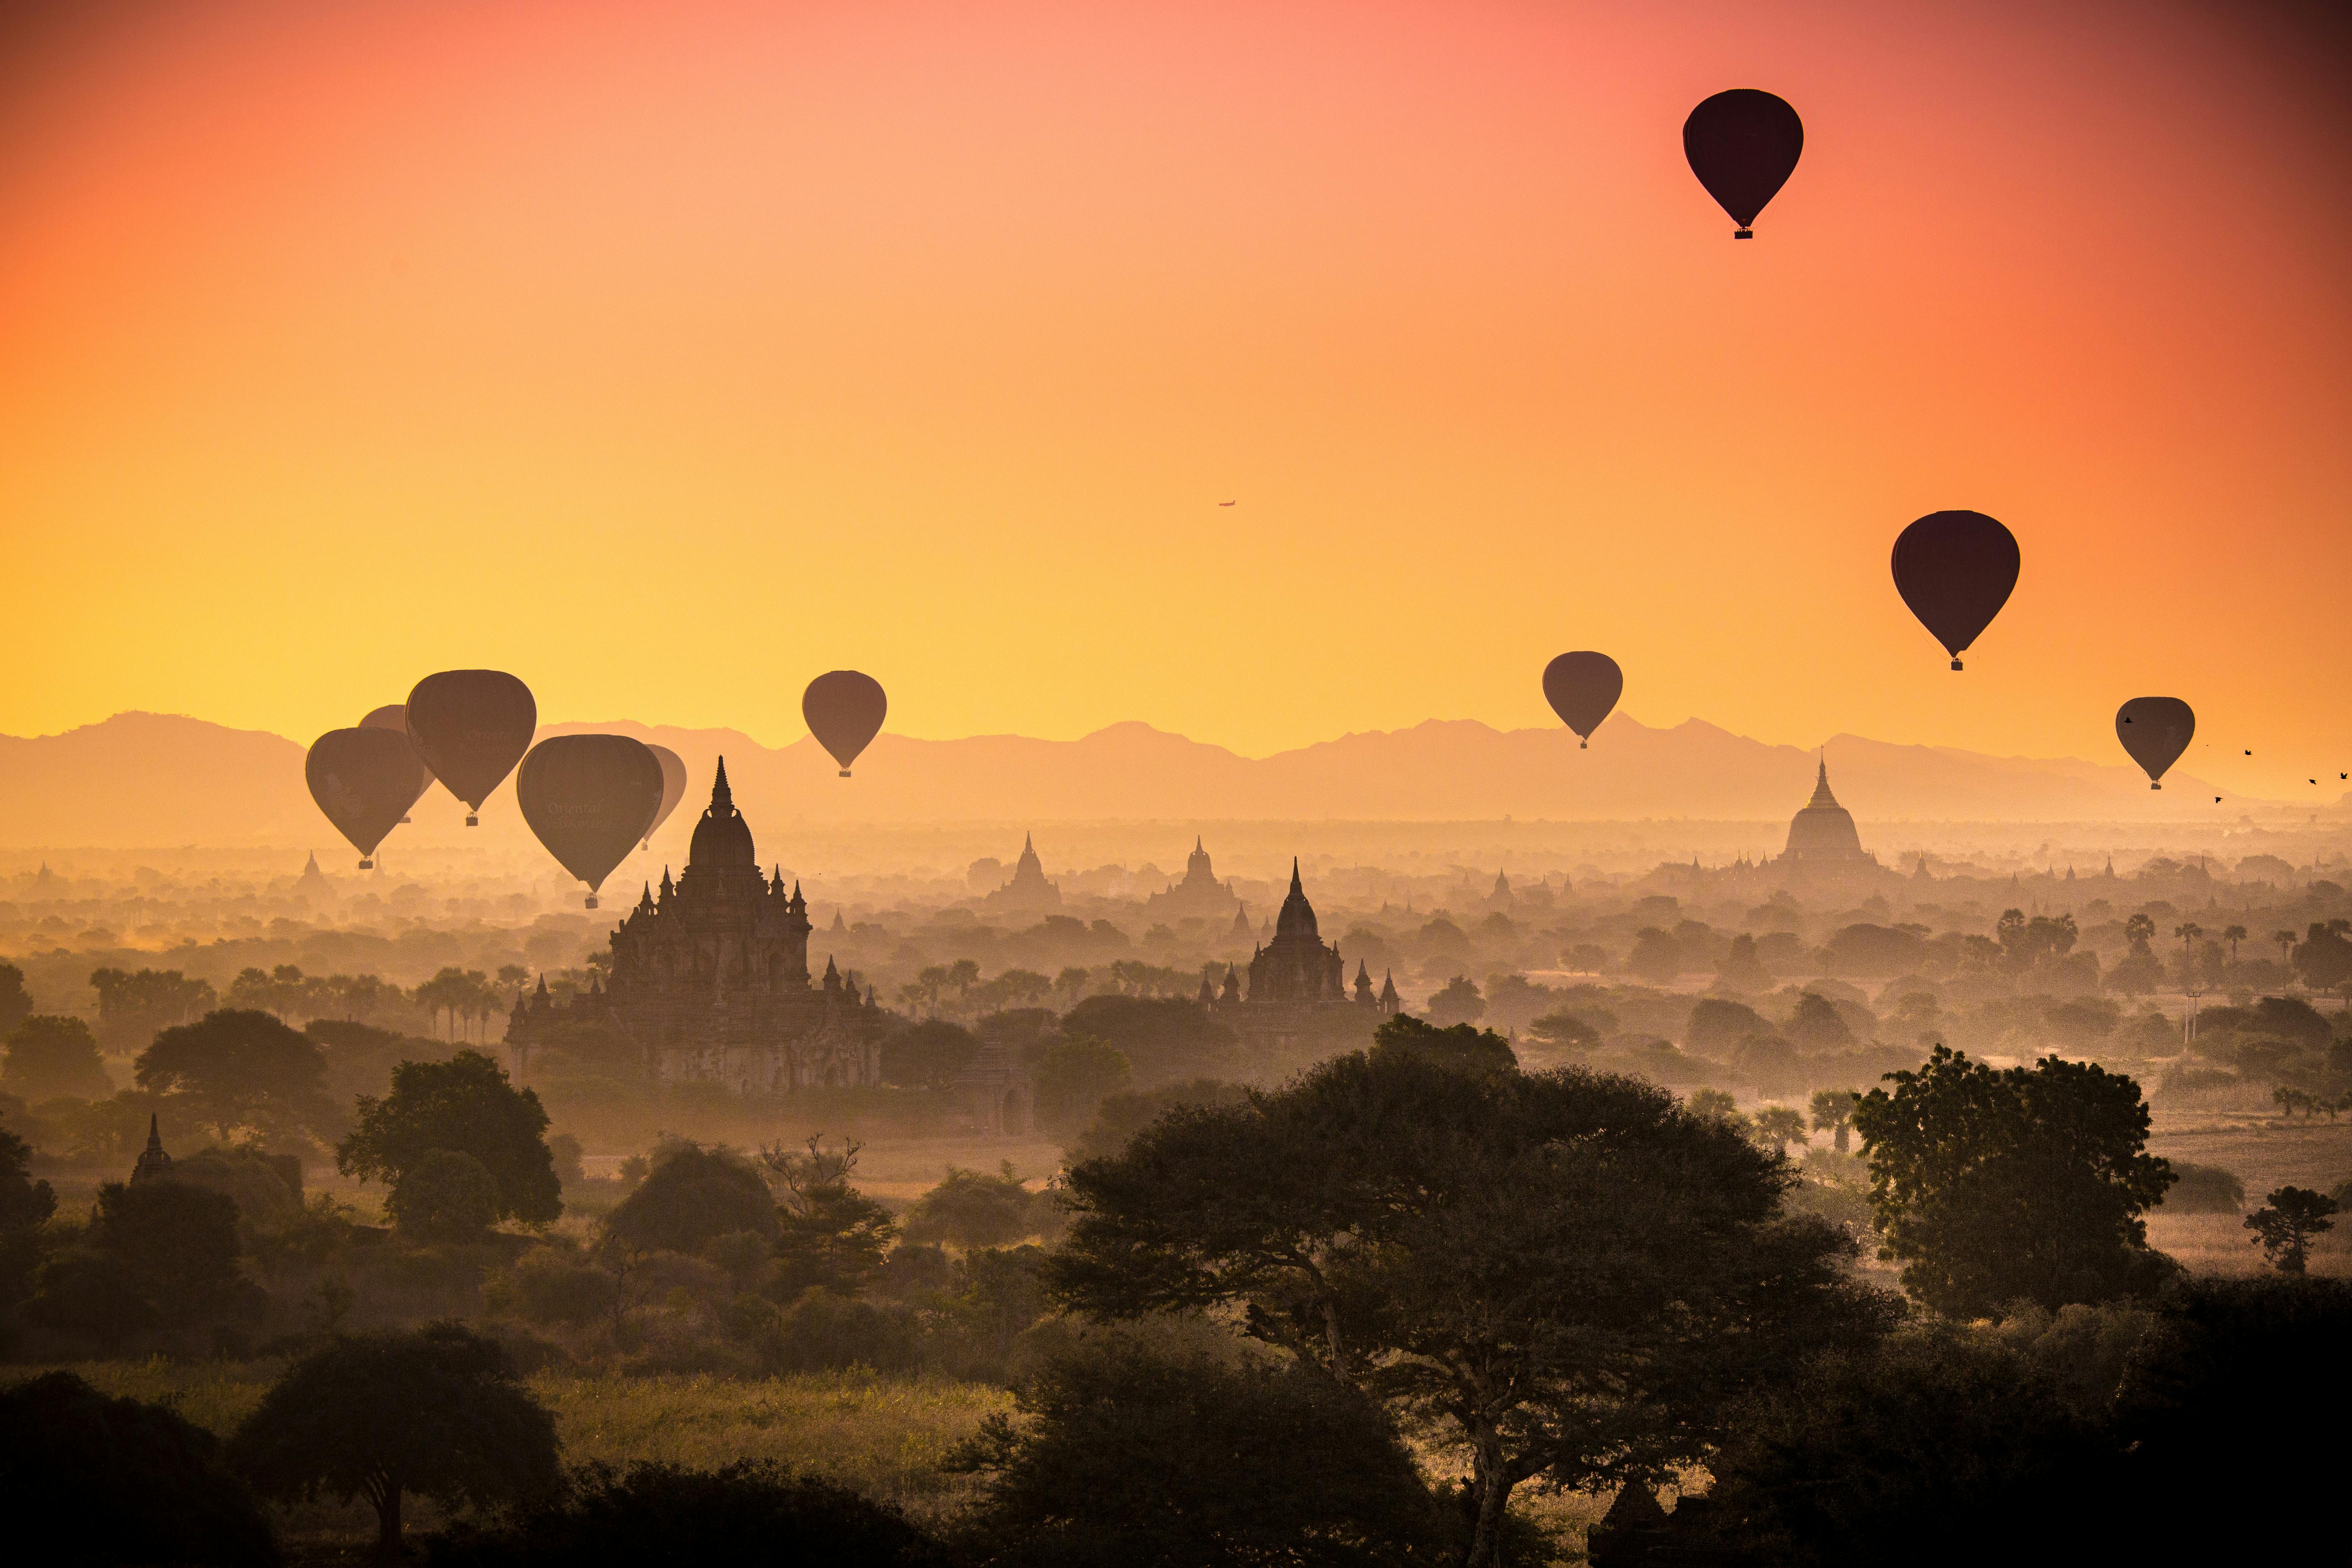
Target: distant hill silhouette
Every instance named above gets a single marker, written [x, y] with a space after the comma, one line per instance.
[142, 779]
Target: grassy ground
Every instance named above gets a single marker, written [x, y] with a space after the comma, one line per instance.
[885, 1438]
[2264, 1153]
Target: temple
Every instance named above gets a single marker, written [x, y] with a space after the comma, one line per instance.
[1299, 984]
[1200, 894]
[1823, 834]
[709, 979]
[1028, 890]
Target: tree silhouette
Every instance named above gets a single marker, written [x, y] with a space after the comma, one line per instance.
[15, 1002]
[114, 1480]
[436, 1411]
[2233, 935]
[1428, 1235]
[1833, 1114]
[464, 1105]
[52, 1058]
[1992, 1185]
[2285, 1224]
[237, 1070]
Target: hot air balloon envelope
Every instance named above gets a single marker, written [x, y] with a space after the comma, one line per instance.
[364, 780]
[1743, 145]
[2154, 731]
[588, 798]
[471, 726]
[843, 710]
[394, 716]
[673, 769]
[1582, 688]
[1956, 569]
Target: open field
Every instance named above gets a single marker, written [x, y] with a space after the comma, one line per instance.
[2265, 1152]
[886, 1438]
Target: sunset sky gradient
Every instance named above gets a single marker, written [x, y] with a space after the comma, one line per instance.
[669, 354]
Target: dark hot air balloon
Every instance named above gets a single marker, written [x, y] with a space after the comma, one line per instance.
[471, 726]
[1956, 569]
[2154, 731]
[363, 780]
[843, 710]
[588, 798]
[1582, 688]
[394, 716]
[1743, 145]
[673, 769]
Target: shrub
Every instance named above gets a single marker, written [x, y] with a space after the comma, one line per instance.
[555, 1285]
[969, 1209]
[749, 1511]
[692, 1195]
[113, 1480]
[445, 1196]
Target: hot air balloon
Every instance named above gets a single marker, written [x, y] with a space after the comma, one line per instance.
[471, 726]
[363, 780]
[1582, 688]
[2154, 731]
[843, 710]
[588, 798]
[1956, 569]
[1743, 145]
[394, 716]
[673, 769]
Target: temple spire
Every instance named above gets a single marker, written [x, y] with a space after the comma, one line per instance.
[722, 799]
[1295, 886]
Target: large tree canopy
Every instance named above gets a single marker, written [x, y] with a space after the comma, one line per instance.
[1565, 1272]
[467, 1106]
[52, 1058]
[436, 1411]
[236, 1070]
[2023, 1183]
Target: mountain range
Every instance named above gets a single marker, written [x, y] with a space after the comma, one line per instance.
[150, 779]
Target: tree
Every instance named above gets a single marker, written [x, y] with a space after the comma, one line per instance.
[1458, 1003]
[24, 1202]
[54, 1059]
[436, 1411]
[691, 1195]
[1429, 1235]
[132, 1007]
[1565, 1031]
[115, 1480]
[2233, 935]
[1715, 1104]
[748, 1512]
[156, 1254]
[929, 1055]
[2285, 1224]
[1072, 1078]
[2284, 941]
[1463, 1047]
[1935, 1448]
[1777, 1126]
[828, 1233]
[1656, 956]
[1164, 1455]
[1816, 1025]
[1162, 1037]
[445, 1196]
[2323, 960]
[1996, 1185]
[241, 1070]
[971, 1210]
[1833, 1114]
[1121, 1116]
[15, 1002]
[467, 1106]
[1742, 969]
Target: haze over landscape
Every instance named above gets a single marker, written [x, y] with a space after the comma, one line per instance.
[1286, 784]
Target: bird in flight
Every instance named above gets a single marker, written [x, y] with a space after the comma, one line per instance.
[1224, 503]
[2249, 754]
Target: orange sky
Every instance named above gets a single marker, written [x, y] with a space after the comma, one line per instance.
[668, 352]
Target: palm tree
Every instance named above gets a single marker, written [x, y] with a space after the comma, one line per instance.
[2233, 935]
[2285, 940]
